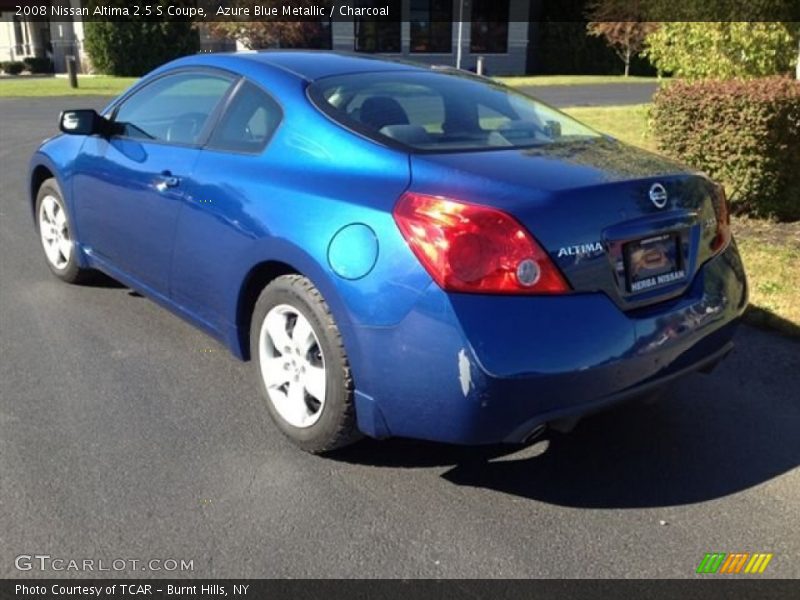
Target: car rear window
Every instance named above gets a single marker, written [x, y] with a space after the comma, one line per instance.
[437, 112]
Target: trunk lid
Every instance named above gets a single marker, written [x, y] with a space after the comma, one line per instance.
[613, 218]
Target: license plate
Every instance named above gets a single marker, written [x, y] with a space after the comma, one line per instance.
[653, 262]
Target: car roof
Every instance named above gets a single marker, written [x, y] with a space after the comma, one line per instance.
[311, 65]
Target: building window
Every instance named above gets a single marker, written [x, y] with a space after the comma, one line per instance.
[376, 34]
[431, 25]
[489, 33]
[18, 36]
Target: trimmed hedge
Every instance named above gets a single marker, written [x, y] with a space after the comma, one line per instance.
[13, 67]
[136, 45]
[743, 133]
[38, 64]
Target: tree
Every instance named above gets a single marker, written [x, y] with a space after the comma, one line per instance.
[723, 50]
[134, 46]
[259, 34]
[622, 27]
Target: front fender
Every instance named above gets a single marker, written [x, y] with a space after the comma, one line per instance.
[57, 156]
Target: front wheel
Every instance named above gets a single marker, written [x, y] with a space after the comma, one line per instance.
[55, 233]
[302, 366]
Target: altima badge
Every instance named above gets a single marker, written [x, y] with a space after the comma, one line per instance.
[658, 195]
[581, 250]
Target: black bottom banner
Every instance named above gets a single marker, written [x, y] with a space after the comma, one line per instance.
[331, 589]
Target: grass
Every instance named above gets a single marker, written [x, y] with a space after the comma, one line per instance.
[111, 86]
[573, 80]
[770, 251]
[15, 87]
[771, 254]
[773, 272]
[627, 123]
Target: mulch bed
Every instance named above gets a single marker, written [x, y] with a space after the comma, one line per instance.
[758, 230]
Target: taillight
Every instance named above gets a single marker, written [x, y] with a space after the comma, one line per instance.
[473, 248]
[722, 236]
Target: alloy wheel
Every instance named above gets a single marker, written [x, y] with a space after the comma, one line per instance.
[54, 232]
[292, 366]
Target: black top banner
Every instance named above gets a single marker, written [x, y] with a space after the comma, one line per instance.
[389, 10]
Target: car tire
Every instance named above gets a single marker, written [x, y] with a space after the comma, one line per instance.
[54, 228]
[302, 367]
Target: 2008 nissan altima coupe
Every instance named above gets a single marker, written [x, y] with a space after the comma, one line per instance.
[401, 251]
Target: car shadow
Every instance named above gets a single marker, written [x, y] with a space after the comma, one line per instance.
[695, 445]
[101, 280]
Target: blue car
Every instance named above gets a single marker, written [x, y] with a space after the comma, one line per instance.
[399, 250]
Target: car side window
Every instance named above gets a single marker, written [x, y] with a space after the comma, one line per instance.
[174, 108]
[249, 121]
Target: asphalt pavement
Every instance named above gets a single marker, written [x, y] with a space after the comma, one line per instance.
[127, 434]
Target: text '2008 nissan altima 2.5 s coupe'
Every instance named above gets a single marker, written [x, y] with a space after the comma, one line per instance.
[400, 251]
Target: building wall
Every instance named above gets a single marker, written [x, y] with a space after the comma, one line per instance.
[512, 62]
[55, 40]
[18, 40]
[7, 41]
[66, 38]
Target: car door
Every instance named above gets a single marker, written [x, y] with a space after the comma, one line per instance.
[233, 173]
[128, 188]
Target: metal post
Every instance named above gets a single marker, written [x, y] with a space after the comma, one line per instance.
[72, 71]
[479, 66]
[460, 32]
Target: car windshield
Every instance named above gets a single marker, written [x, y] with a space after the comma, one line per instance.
[438, 112]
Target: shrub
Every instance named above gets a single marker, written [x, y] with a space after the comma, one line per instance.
[696, 50]
[744, 133]
[38, 64]
[135, 46]
[13, 67]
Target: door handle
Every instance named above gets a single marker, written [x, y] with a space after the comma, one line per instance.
[167, 180]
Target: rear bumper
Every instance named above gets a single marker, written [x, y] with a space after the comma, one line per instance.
[470, 369]
[522, 432]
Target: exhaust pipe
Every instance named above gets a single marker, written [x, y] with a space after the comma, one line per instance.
[534, 434]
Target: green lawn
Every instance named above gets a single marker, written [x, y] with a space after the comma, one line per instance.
[111, 86]
[573, 80]
[59, 86]
[770, 251]
[627, 123]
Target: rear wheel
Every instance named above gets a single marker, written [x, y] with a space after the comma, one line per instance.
[302, 366]
[55, 234]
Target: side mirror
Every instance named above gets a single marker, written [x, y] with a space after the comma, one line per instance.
[83, 122]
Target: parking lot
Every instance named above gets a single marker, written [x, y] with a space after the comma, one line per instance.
[125, 433]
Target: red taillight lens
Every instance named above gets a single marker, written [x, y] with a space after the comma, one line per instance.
[723, 234]
[473, 248]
